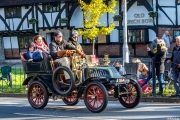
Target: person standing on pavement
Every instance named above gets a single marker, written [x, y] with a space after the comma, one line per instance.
[175, 58]
[154, 43]
[160, 55]
[168, 40]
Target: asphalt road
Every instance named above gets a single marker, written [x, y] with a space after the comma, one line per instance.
[19, 109]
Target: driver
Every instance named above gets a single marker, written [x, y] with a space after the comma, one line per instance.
[59, 48]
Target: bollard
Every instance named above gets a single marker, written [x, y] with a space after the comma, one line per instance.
[153, 77]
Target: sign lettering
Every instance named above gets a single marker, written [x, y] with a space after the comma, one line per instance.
[139, 18]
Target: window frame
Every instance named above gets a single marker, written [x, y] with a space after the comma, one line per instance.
[16, 12]
[174, 36]
[178, 2]
[145, 36]
[50, 7]
[24, 41]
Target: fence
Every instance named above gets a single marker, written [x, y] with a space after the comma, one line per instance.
[11, 81]
[18, 77]
[131, 69]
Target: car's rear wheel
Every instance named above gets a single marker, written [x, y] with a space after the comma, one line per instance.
[71, 99]
[130, 96]
[37, 95]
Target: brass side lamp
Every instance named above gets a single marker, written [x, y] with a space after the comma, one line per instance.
[106, 59]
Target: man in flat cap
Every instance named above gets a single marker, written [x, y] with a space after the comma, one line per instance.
[59, 49]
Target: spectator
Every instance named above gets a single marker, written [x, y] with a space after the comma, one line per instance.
[167, 39]
[160, 55]
[31, 55]
[58, 49]
[118, 67]
[142, 69]
[175, 58]
[154, 43]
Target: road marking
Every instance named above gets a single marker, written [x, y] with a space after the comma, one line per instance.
[41, 115]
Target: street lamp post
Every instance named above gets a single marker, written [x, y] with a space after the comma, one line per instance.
[125, 45]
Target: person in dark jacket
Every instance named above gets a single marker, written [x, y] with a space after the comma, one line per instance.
[175, 58]
[60, 49]
[154, 43]
[160, 55]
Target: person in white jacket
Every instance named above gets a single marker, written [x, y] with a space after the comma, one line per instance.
[167, 39]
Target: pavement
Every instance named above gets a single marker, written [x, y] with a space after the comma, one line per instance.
[143, 99]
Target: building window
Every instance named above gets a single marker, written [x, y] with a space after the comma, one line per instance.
[135, 36]
[13, 12]
[175, 34]
[178, 1]
[51, 7]
[86, 41]
[24, 41]
[139, 3]
[89, 41]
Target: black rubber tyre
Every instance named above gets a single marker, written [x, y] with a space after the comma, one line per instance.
[95, 97]
[133, 97]
[71, 100]
[37, 95]
[60, 86]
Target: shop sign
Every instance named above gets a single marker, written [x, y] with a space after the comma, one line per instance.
[139, 18]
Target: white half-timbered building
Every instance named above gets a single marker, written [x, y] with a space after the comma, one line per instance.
[16, 32]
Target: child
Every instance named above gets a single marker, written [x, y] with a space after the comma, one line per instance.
[32, 55]
[142, 70]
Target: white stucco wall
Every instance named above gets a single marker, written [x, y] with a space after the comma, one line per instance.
[114, 36]
[77, 18]
[178, 12]
[2, 23]
[152, 35]
[163, 20]
[166, 2]
[138, 15]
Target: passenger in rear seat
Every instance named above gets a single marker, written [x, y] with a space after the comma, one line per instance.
[40, 45]
[32, 55]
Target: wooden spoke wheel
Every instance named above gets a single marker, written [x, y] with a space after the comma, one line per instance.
[95, 97]
[132, 95]
[37, 95]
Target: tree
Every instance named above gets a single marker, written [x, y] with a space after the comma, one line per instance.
[92, 13]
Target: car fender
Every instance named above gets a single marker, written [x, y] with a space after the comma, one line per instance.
[40, 78]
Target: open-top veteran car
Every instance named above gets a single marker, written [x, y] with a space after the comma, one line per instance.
[94, 83]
